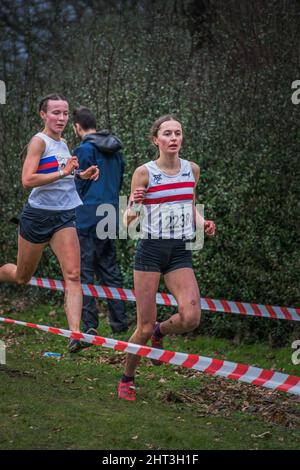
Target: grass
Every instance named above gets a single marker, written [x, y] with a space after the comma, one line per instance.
[71, 403]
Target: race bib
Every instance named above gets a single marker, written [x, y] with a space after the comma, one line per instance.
[176, 220]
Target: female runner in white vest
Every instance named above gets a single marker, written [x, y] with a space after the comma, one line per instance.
[49, 215]
[166, 189]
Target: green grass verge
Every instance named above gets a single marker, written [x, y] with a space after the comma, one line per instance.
[72, 403]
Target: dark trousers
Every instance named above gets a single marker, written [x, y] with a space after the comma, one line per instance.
[98, 259]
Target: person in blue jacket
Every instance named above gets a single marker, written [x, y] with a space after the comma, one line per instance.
[98, 255]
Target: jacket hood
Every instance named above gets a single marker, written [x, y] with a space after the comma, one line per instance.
[104, 141]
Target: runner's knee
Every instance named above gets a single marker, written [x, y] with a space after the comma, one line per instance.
[72, 276]
[190, 313]
[146, 330]
[189, 307]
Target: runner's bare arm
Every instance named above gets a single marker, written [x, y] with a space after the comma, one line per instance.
[139, 184]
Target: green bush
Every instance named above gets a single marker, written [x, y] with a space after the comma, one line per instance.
[230, 84]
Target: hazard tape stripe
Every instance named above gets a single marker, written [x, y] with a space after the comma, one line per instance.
[230, 370]
[213, 305]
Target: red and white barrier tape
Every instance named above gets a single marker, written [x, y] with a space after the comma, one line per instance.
[230, 370]
[223, 306]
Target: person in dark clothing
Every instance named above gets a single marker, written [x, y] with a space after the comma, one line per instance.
[98, 251]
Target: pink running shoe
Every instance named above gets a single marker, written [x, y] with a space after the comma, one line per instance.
[126, 391]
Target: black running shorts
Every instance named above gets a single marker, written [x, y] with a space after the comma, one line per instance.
[162, 255]
[39, 225]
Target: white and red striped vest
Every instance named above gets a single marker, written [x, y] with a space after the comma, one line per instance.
[168, 203]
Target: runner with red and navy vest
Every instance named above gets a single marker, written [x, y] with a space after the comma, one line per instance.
[49, 215]
[163, 197]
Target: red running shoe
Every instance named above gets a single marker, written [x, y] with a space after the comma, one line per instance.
[126, 391]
